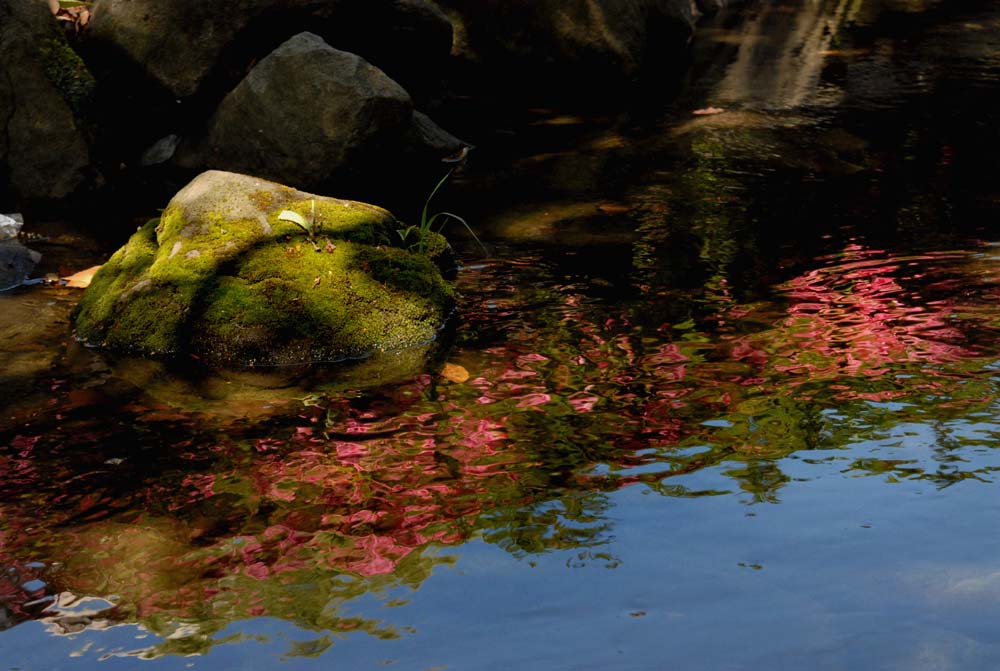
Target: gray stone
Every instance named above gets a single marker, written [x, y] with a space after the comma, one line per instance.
[437, 140]
[160, 151]
[16, 263]
[308, 114]
[10, 225]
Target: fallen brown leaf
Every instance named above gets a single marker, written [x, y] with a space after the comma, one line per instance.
[613, 208]
[458, 156]
[844, 52]
[454, 373]
[81, 280]
[78, 15]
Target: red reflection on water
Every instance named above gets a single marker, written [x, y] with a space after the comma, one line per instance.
[856, 319]
[357, 487]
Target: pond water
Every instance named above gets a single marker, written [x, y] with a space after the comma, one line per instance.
[723, 396]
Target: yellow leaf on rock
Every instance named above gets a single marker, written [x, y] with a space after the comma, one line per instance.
[81, 280]
[454, 373]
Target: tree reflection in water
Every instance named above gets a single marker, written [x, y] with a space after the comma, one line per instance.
[721, 351]
[297, 515]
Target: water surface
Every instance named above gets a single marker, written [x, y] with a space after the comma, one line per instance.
[730, 403]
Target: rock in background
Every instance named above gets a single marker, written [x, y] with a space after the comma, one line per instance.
[188, 85]
[309, 114]
[581, 46]
[186, 45]
[45, 97]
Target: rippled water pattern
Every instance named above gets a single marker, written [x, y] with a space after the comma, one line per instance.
[725, 397]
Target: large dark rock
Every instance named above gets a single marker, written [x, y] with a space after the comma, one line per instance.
[45, 93]
[183, 44]
[597, 41]
[309, 114]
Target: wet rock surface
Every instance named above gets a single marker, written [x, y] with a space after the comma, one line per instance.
[16, 263]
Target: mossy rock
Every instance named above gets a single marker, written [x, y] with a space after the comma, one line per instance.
[68, 73]
[220, 276]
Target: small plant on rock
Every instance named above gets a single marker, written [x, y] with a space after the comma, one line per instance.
[310, 227]
[427, 221]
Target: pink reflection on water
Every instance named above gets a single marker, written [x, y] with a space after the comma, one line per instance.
[362, 491]
[856, 319]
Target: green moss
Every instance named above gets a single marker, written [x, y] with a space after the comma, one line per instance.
[405, 271]
[337, 305]
[252, 290]
[264, 200]
[127, 308]
[68, 73]
[153, 318]
[436, 245]
[339, 220]
[117, 279]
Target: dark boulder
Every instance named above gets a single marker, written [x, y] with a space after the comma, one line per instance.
[310, 115]
[597, 42]
[45, 93]
[183, 45]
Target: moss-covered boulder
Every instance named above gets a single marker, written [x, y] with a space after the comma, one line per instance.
[220, 276]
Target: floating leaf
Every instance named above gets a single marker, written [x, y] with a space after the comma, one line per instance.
[613, 208]
[81, 280]
[454, 373]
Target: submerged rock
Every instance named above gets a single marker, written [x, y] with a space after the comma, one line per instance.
[222, 277]
[308, 114]
[16, 263]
